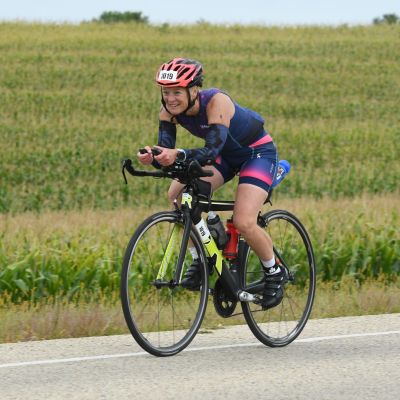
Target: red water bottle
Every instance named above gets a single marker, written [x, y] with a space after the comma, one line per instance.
[231, 248]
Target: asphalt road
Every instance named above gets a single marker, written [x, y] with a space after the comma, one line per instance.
[341, 358]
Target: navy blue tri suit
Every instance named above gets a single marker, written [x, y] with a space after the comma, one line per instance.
[245, 148]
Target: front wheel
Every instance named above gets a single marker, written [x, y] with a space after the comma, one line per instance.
[280, 325]
[162, 316]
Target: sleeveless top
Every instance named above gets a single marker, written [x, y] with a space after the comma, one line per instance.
[246, 126]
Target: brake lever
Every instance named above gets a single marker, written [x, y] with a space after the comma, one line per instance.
[127, 163]
[123, 173]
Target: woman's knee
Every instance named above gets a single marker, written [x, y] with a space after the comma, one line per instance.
[174, 193]
[171, 195]
[244, 223]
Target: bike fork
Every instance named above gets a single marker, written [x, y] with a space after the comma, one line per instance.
[171, 246]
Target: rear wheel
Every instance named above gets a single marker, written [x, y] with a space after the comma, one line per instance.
[280, 325]
[162, 316]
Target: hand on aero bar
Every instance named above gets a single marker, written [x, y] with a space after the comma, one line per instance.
[166, 157]
[145, 155]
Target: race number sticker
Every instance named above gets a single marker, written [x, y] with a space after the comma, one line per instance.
[167, 75]
[203, 231]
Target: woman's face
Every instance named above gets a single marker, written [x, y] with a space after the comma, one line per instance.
[176, 99]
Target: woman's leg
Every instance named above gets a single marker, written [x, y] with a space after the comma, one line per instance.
[249, 200]
[248, 203]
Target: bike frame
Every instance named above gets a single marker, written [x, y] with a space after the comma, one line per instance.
[191, 209]
[192, 205]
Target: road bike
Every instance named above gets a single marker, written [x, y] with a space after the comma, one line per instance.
[163, 316]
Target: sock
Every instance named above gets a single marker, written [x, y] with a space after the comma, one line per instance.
[270, 266]
[193, 252]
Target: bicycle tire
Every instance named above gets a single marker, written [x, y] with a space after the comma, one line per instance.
[279, 326]
[162, 320]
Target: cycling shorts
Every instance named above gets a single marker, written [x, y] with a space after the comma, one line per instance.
[255, 164]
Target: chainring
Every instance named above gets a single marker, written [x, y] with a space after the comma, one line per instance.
[224, 302]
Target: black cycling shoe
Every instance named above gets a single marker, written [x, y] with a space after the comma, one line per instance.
[192, 278]
[273, 288]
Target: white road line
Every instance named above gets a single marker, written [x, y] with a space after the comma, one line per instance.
[220, 347]
[71, 360]
[319, 339]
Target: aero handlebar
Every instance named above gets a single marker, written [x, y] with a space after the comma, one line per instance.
[184, 172]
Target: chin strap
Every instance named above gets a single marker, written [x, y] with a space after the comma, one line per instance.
[191, 103]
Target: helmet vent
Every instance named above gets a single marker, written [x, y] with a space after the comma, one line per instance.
[183, 71]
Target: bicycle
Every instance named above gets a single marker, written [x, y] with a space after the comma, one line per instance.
[163, 317]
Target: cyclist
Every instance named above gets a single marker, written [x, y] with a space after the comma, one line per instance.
[235, 142]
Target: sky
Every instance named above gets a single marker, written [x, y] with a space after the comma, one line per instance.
[266, 12]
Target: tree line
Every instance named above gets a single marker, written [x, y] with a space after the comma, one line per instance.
[110, 17]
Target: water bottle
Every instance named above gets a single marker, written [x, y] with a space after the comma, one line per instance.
[283, 170]
[231, 249]
[217, 229]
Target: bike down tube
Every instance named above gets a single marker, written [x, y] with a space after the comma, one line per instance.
[210, 245]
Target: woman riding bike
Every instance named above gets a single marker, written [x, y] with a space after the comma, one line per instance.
[235, 142]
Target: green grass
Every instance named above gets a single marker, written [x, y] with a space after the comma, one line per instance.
[77, 99]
